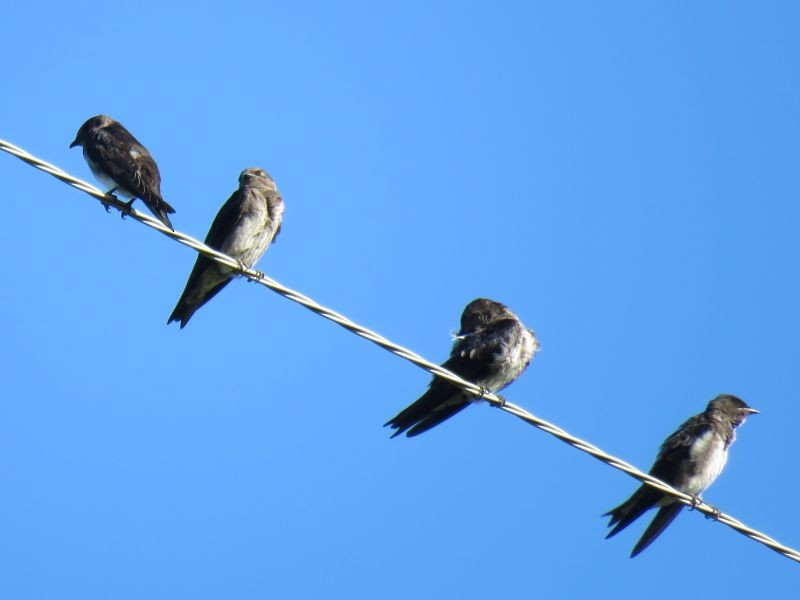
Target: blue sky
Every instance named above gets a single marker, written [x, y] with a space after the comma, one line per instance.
[622, 175]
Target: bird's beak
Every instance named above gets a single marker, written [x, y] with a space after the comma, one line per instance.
[751, 411]
[75, 143]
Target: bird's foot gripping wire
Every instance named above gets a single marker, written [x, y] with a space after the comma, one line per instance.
[109, 193]
[484, 391]
[243, 267]
[697, 501]
[715, 513]
[128, 206]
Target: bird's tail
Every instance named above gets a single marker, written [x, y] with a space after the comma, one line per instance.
[192, 299]
[162, 216]
[664, 517]
[160, 208]
[167, 207]
[634, 507]
[183, 312]
[439, 403]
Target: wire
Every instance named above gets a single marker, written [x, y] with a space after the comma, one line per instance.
[436, 370]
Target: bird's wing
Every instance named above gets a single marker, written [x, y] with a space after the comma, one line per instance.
[226, 220]
[677, 449]
[139, 175]
[475, 356]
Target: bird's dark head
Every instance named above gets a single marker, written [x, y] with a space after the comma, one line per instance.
[481, 311]
[732, 407]
[94, 123]
[256, 176]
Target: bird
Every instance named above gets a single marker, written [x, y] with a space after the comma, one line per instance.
[118, 160]
[243, 229]
[491, 349]
[689, 460]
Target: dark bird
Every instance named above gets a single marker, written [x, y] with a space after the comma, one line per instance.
[243, 229]
[119, 161]
[689, 460]
[491, 349]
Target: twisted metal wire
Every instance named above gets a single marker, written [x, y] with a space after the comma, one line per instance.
[479, 392]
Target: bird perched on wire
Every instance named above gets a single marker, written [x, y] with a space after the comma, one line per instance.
[491, 350]
[689, 460]
[243, 229]
[119, 161]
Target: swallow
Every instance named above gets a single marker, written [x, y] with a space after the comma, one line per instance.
[492, 349]
[689, 460]
[243, 229]
[119, 161]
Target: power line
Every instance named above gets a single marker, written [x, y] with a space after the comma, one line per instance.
[376, 338]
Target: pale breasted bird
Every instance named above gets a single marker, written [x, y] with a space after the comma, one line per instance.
[689, 461]
[119, 161]
[243, 229]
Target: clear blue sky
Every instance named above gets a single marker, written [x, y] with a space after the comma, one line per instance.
[623, 175]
